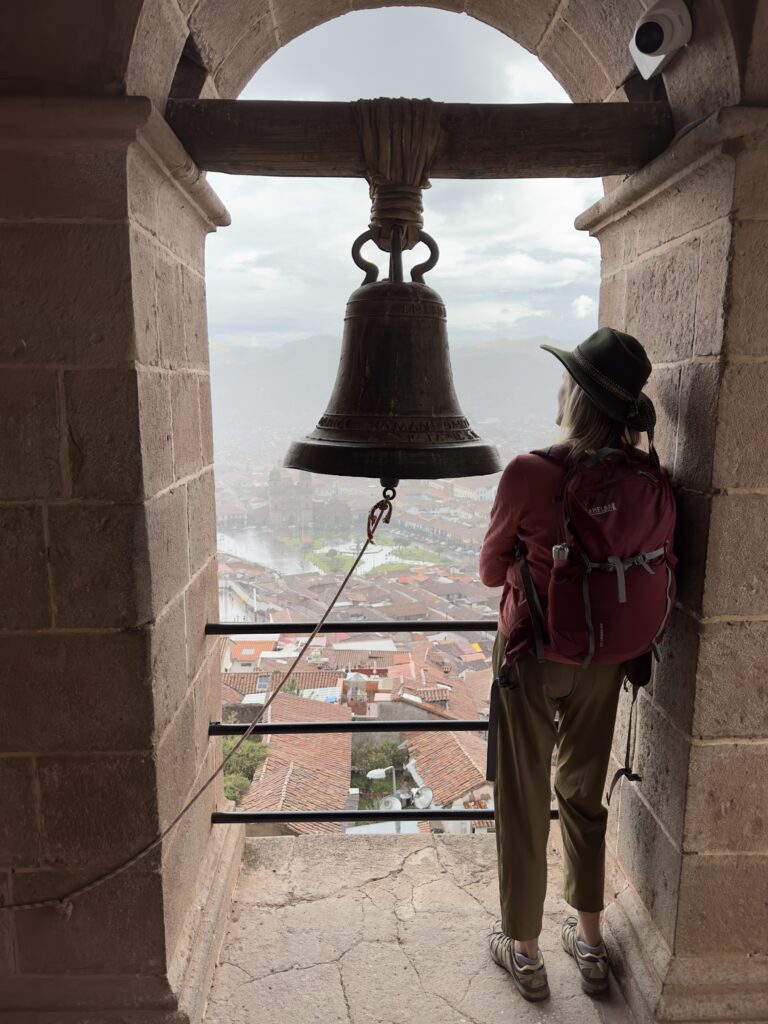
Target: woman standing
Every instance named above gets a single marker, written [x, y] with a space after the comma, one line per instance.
[553, 701]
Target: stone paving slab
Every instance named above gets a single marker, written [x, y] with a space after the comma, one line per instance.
[381, 929]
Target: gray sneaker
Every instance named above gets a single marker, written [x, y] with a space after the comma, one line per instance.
[593, 967]
[531, 979]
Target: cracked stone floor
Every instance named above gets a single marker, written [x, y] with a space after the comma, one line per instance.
[379, 929]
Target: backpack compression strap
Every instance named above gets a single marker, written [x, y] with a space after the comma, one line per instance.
[626, 771]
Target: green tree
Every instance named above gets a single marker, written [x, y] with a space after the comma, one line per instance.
[379, 755]
[235, 786]
[242, 766]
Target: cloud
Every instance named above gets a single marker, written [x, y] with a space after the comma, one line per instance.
[511, 260]
[494, 318]
[583, 306]
[528, 81]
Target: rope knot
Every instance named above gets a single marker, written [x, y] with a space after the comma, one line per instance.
[399, 139]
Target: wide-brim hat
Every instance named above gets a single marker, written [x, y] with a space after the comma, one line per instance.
[612, 367]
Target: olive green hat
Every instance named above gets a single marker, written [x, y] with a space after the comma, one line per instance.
[612, 368]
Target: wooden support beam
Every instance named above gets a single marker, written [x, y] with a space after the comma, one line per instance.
[484, 140]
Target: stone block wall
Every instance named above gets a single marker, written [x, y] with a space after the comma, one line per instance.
[684, 253]
[105, 454]
[108, 571]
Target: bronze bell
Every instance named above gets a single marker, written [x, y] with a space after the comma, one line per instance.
[393, 413]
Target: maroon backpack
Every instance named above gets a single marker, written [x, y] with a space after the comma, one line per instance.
[610, 603]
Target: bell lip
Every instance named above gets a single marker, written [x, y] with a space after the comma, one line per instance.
[436, 462]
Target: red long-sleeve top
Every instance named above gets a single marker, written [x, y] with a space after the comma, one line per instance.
[526, 509]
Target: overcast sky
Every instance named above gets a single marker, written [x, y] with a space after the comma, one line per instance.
[512, 265]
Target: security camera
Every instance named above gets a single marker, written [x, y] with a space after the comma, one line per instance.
[664, 29]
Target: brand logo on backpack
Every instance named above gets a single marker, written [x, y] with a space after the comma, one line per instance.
[600, 510]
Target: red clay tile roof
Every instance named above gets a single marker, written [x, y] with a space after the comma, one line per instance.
[477, 685]
[479, 805]
[229, 695]
[303, 771]
[403, 610]
[249, 650]
[288, 707]
[465, 702]
[434, 693]
[452, 764]
[291, 786]
[346, 659]
[307, 680]
[404, 697]
[242, 682]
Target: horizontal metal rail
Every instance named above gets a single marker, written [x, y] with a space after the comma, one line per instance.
[411, 626]
[372, 725]
[433, 814]
[369, 725]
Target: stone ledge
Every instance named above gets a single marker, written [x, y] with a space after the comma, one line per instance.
[71, 121]
[196, 960]
[693, 145]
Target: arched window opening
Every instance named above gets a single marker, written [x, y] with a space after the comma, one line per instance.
[513, 273]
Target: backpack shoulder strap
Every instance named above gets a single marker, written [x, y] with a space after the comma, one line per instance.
[555, 453]
[534, 605]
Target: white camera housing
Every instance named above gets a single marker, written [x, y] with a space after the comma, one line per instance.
[664, 29]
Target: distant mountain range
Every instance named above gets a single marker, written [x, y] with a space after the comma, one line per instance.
[512, 382]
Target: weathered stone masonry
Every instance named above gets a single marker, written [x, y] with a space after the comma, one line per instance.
[106, 500]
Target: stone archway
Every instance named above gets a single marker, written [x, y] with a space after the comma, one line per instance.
[583, 44]
[134, 47]
[107, 491]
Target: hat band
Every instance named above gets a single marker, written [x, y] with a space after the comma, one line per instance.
[602, 380]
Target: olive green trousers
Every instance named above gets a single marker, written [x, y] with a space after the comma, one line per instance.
[585, 701]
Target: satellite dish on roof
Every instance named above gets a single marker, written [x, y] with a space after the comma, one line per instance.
[422, 797]
[390, 803]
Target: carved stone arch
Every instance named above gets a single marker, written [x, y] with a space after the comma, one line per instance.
[134, 46]
[583, 44]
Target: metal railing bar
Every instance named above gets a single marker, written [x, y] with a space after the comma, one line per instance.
[371, 725]
[412, 626]
[433, 814]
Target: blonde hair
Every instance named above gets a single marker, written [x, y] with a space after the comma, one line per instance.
[586, 428]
